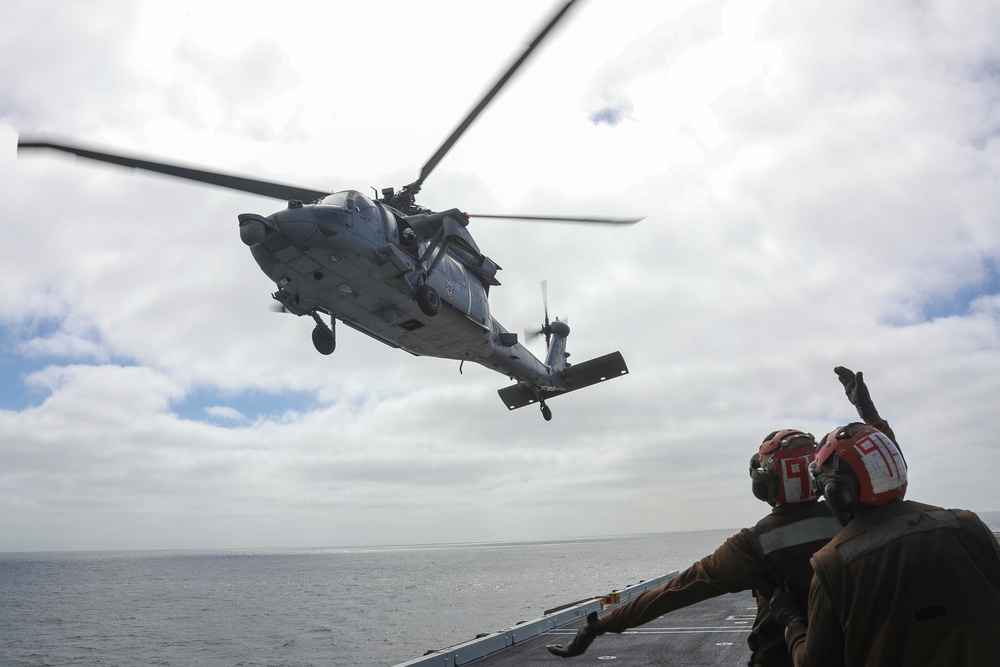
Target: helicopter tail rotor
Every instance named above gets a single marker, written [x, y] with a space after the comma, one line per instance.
[547, 326]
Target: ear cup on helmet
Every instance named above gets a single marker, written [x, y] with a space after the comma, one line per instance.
[842, 496]
[840, 487]
[763, 485]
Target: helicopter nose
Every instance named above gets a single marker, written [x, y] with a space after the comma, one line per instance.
[253, 228]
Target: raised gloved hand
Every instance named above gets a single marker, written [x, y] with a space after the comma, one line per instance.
[584, 637]
[857, 392]
[785, 608]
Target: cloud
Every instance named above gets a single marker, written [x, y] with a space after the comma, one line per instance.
[609, 116]
[819, 187]
[225, 413]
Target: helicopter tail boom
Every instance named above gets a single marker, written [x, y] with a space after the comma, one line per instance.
[576, 377]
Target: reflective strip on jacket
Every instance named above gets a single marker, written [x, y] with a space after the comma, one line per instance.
[755, 559]
[904, 584]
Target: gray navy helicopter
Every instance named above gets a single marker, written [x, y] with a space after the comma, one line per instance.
[407, 276]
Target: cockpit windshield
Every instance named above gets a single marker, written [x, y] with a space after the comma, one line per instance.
[351, 200]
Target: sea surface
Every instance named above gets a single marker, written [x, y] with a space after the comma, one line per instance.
[299, 607]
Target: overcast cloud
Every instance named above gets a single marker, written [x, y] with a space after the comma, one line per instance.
[820, 186]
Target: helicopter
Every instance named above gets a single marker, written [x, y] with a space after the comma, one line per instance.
[407, 276]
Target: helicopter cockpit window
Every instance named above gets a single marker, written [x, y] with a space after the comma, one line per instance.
[336, 199]
[351, 200]
[367, 209]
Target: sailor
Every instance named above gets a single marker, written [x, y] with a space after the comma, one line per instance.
[903, 583]
[760, 558]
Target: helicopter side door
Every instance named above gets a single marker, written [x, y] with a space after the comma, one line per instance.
[459, 288]
[469, 294]
[456, 284]
[390, 227]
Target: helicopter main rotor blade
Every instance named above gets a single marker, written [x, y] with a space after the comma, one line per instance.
[464, 125]
[253, 186]
[560, 218]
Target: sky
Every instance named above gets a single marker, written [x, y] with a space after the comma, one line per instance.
[820, 184]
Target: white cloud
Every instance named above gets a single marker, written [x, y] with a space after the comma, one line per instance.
[225, 413]
[817, 181]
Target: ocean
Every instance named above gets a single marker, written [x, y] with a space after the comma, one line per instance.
[299, 607]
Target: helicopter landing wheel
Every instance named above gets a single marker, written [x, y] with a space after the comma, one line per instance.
[546, 413]
[428, 300]
[324, 339]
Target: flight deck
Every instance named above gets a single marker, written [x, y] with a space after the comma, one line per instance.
[712, 632]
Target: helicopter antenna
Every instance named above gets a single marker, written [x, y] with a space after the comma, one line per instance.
[414, 188]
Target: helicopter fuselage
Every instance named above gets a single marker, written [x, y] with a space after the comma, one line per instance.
[409, 277]
[362, 262]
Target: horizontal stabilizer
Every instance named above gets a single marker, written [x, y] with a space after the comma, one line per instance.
[576, 376]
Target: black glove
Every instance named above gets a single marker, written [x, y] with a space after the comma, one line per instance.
[584, 637]
[785, 608]
[857, 392]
